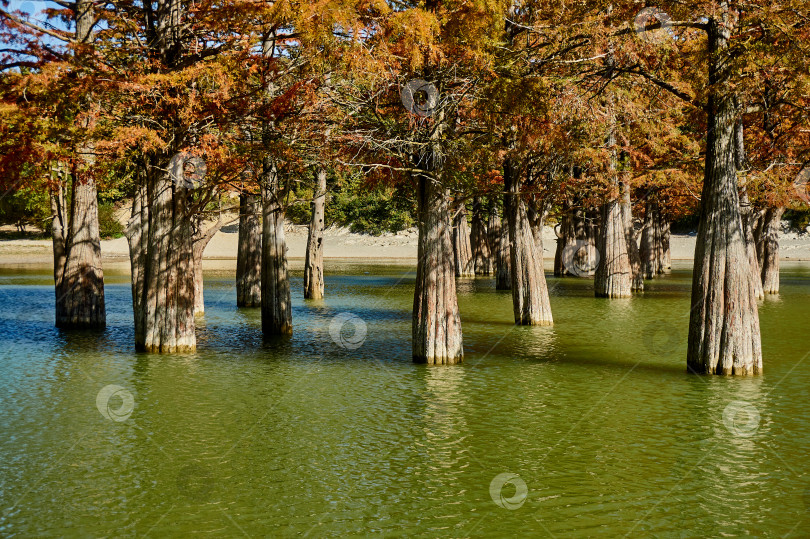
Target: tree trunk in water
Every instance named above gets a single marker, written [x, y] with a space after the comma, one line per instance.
[160, 245]
[249, 256]
[530, 301]
[78, 274]
[200, 241]
[746, 218]
[724, 323]
[566, 240]
[494, 236]
[614, 278]
[482, 261]
[651, 240]
[503, 279]
[770, 260]
[276, 307]
[633, 255]
[461, 243]
[437, 335]
[313, 263]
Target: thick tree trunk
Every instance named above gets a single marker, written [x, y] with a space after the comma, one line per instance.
[530, 301]
[437, 335]
[614, 278]
[462, 250]
[200, 241]
[651, 240]
[724, 324]
[770, 261]
[249, 255]
[276, 306]
[313, 263]
[637, 282]
[160, 243]
[746, 211]
[482, 261]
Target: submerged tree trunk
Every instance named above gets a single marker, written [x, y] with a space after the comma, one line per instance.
[160, 245]
[613, 277]
[462, 250]
[724, 324]
[200, 240]
[249, 255]
[313, 263]
[770, 261]
[637, 282]
[482, 261]
[651, 240]
[530, 301]
[437, 335]
[276, 307]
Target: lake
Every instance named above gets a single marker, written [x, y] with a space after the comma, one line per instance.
[591, 427]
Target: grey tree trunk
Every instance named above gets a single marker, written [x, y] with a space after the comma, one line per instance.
[436, 326]
[462, 250]
[249, 255]
[746, 210]
[482, 260]
[637, 282]
[666, 253]
[313, 263]
[503, 264]
[614, 277]
[160, 245]
[566, 239]
[200, 240]
[652, 240]
[276, 306]
[530, 301]
[724, 324]
[770, 261]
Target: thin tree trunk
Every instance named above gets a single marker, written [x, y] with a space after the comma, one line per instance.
[313, 263]
[494, 236]
[249, 255]
[461, 243]
[503, 279]
[200, 241]
[664, 250]
[566, 240]
[478, 238]
[724, 324]
[770, 261]
[437, 335]
[637, 283]
[59, 233]
[651, 241]
[160, 243]
[530, 301]
[276, 307]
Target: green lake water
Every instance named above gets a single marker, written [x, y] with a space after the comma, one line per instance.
[335, 432]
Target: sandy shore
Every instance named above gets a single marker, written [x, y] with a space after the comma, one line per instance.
[339, 243]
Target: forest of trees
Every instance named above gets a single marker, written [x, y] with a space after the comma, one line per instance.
[480, 120]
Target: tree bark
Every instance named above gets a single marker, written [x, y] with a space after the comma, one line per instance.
[313, 263]
[462, 250]
[503, 262]
[637, 277]
[249, 255]
[530, 301]
[482, 261]
[724, 324]
[160, 243]
[200, 240]
[437, 335]
[276, 306]
[566, 239]
[770, 261]
[746, 210]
